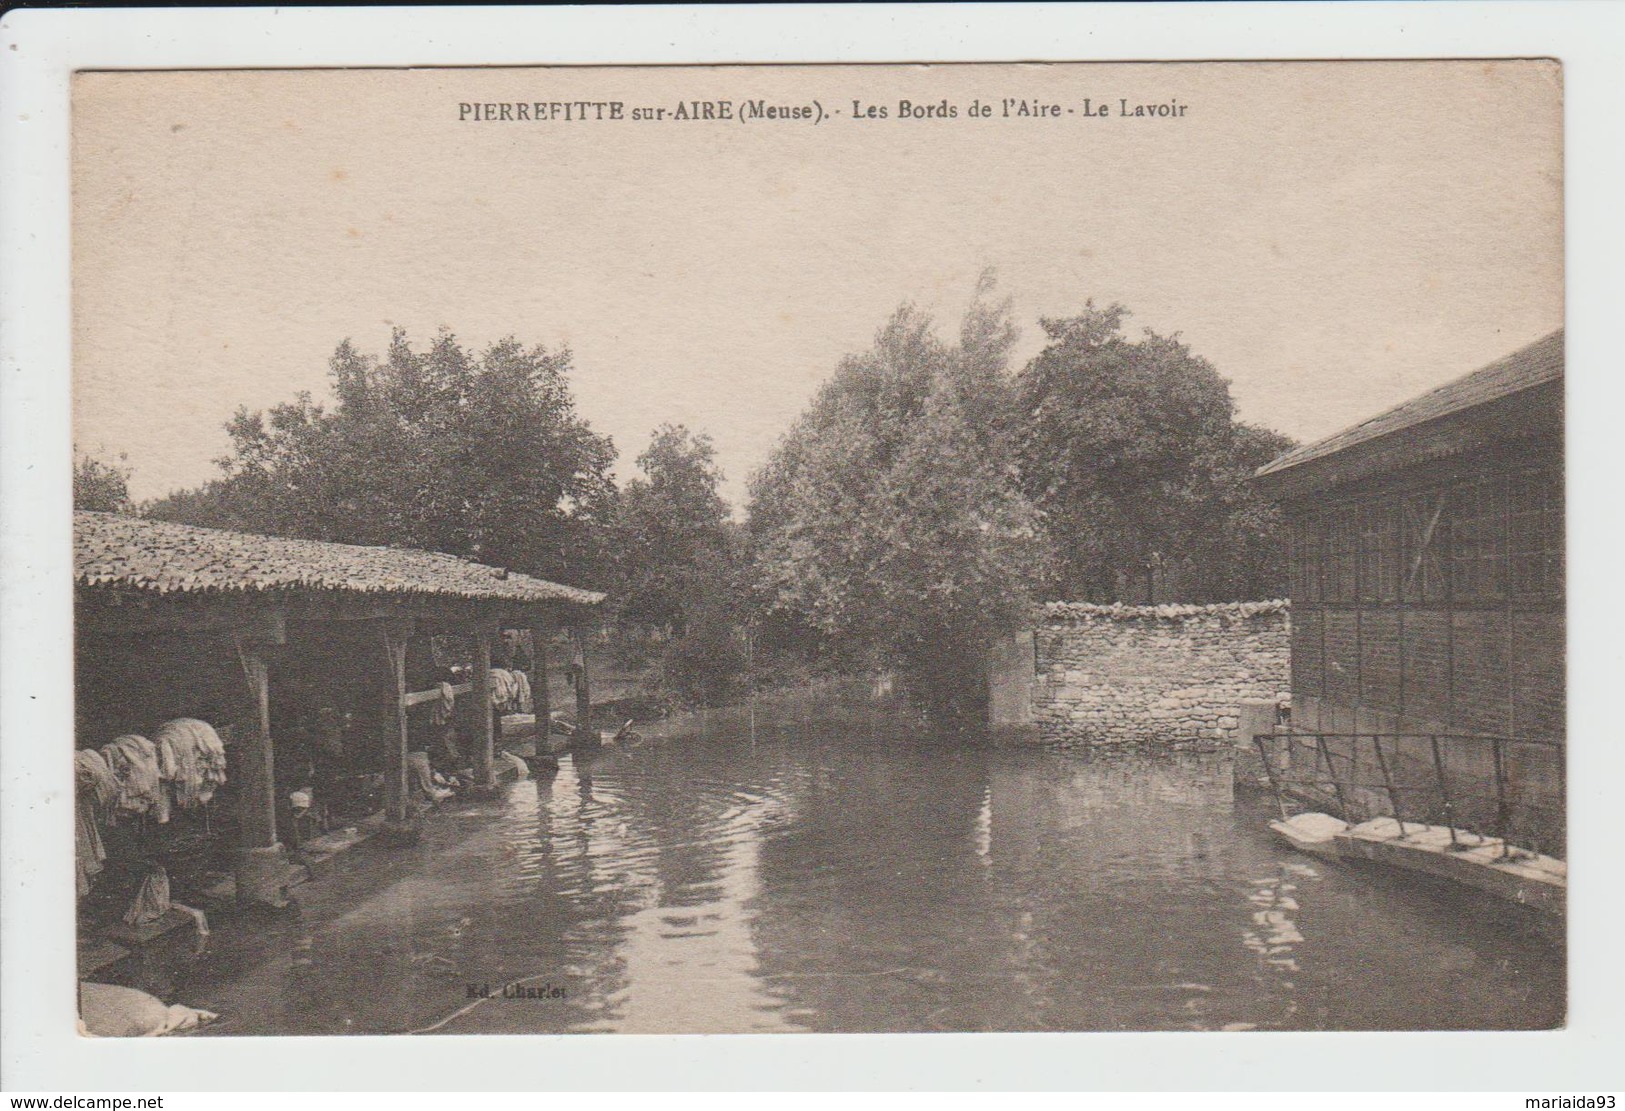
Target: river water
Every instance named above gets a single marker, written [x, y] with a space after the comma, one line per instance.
[848, 874]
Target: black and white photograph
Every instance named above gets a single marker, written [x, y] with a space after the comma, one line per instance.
[839, 549]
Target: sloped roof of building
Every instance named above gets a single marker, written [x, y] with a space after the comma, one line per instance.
[159, 557]
[1538, 363]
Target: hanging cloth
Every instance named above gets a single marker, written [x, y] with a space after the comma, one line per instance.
[191, 759]
[95, 789]
[522, 703]
[93, 777]
[445, 709]
[133, 761]
[502, 690]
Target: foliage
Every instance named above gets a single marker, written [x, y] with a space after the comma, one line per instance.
[707, 665]
[889, 520]
[101, 486]
[680, 562]
[1253, 538]
[673, 534]
[1131, 451]
[479, 457]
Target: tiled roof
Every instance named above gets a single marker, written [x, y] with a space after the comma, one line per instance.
[140, 554]
[1541, 361]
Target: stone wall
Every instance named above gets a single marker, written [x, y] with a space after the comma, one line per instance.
[1168, 675]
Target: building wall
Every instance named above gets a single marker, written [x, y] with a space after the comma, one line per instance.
[1429, 601]
[1435, 597]
[1163, 675]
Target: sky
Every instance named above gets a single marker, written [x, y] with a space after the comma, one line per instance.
[1333, 237]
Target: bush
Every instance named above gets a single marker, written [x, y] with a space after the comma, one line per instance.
[707, 665]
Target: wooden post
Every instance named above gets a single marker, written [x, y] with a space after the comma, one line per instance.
[261, 871]
[484, 734]
[584, 733]
[538, 685]
[397, 793]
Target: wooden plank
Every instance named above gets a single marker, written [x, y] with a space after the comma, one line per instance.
[484, 728]
[256, 811]
[258, 621]
[583, 685]
[396, 794]
[418, 698]
[261, 872]
[584, 691]
[540, 700]
[1536, 881]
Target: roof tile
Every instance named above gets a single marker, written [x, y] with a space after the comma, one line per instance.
[158, 556]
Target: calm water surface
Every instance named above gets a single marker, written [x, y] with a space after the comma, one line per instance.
[854, 876]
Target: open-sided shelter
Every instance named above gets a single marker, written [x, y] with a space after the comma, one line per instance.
[175, 621]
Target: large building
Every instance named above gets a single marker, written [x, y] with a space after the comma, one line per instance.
[1427, 583]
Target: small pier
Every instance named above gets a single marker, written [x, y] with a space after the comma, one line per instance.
[1443, 805]
[1486, 863]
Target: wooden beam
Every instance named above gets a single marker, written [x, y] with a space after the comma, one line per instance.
[125, 610]
[254, 621]
[538, 685]
[578, 634]
[333, 610]
[418, 698]
[256, 762]
[397, 808]
[265, 626]
[484, 729]
[261, 870]
[455, 620]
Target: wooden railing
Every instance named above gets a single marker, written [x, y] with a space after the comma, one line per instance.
[1437, 782]
[417, 698]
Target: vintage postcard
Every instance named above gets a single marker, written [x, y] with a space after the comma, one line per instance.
[821, 549]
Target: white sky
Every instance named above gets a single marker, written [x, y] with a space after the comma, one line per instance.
[1335, 237]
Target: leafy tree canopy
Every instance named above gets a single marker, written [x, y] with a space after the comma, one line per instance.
[890, 517]
[1131, 451]
[674, 538]
[100, 485]
[479, 456]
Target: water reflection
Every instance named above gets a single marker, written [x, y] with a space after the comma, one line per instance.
[849, 874]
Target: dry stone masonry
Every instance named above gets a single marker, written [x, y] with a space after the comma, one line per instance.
[1168, 675]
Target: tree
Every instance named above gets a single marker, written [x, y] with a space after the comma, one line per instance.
[104, 487]
[890, 520]
[1132, 453]
[673, 530]
[706, 666]
[481, 457]
[1254, 537]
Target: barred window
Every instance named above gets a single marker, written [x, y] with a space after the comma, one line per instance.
[1341, 558]
[1379, 553]
[1477, 542]
[1306, 560]
[1426, 543]
[1535, 509]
